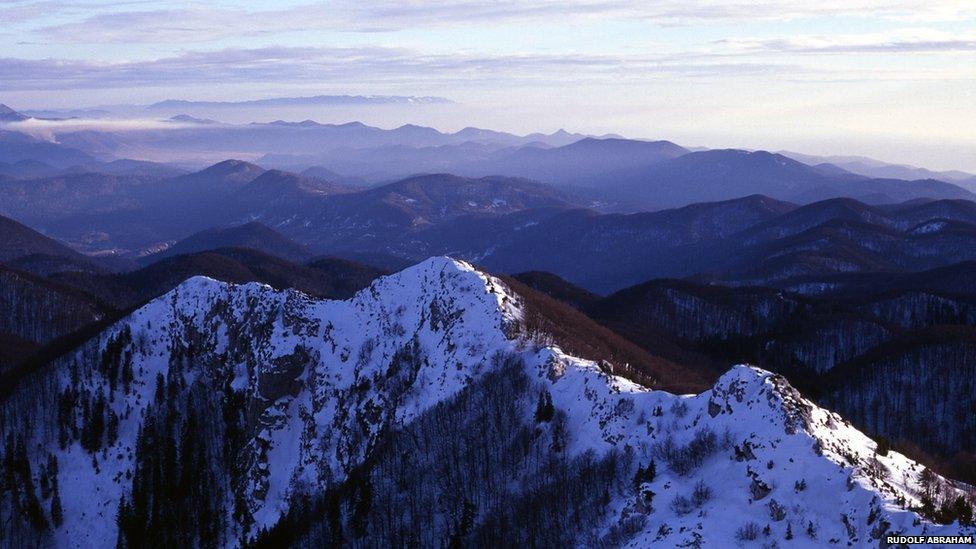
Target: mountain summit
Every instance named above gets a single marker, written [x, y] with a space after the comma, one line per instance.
[218, 413]
[9, 115]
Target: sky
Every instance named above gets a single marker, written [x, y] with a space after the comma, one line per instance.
[890, 79]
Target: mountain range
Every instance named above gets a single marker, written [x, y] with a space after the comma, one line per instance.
[342, 143]
[267, 413]
[252, 235]
[869, 167]
[142, 206]
[753, 240]
[407, 337]
[760, 224]
[507, 224]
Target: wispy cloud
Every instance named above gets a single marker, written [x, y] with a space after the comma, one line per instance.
[14, 12]
[900, 41]
[48, 129]
[364, 66]
[201, 24]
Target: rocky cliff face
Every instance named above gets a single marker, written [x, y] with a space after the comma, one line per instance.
[217, 411]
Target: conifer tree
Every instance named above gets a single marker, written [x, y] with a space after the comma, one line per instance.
[544, 409]
[57, 514]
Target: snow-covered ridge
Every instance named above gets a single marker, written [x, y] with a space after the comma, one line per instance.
[324, 380]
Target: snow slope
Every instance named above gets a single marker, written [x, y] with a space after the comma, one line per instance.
[324, 380]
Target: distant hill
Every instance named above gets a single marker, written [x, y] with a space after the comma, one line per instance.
[279, 195]
[35, 311]
[928, 382]
[870, 167]
[16, 147]
[28, 169]
[557, 288]
[583, 162]
[749, 241]
[85, 207]
[325, 174]
[843, 236]
[607, 252]
[223, 175]
[957, 278]
[328, 278]
[32, 169]
[252, 235]
[9, 115]
[129, 167]
[132, 213]
[434, 197]
[723, 174]
[18, 241]
[43, 264]
[369, 220]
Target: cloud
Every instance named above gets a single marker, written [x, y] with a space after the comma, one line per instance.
[391, 69]
[366, 66]
[48, 129]
[900, 41]
[14, 12]
[203, 24]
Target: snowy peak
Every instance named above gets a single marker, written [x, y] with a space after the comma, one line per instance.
[270, 397]
[746, 386]
[750, 460]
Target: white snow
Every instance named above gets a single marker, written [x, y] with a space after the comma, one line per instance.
[929, 227]
[459, 319]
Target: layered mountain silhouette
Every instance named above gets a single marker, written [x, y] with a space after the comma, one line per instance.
[724, 174]
[869, 167]
[252, 235]
[626, 174]
[582, 162]
[9, 115]
[331, 278]
[350, 335]
[23, 247]
[752, 241]
[36, 311]
[16, 147]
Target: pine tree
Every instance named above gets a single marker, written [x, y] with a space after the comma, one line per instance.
[52, 469]
[884, 446]
[963, 511]
[645, 474]
[544, 410]
[122, 524]
[127, 375]
[928, 506]
[113, 428]
[57, 514]
[160, 389]
[468, 513]
[362, 504]
[45, 483]
[465, 524]
[97, 422]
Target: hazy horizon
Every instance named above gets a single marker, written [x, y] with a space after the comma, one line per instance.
[891, 81]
